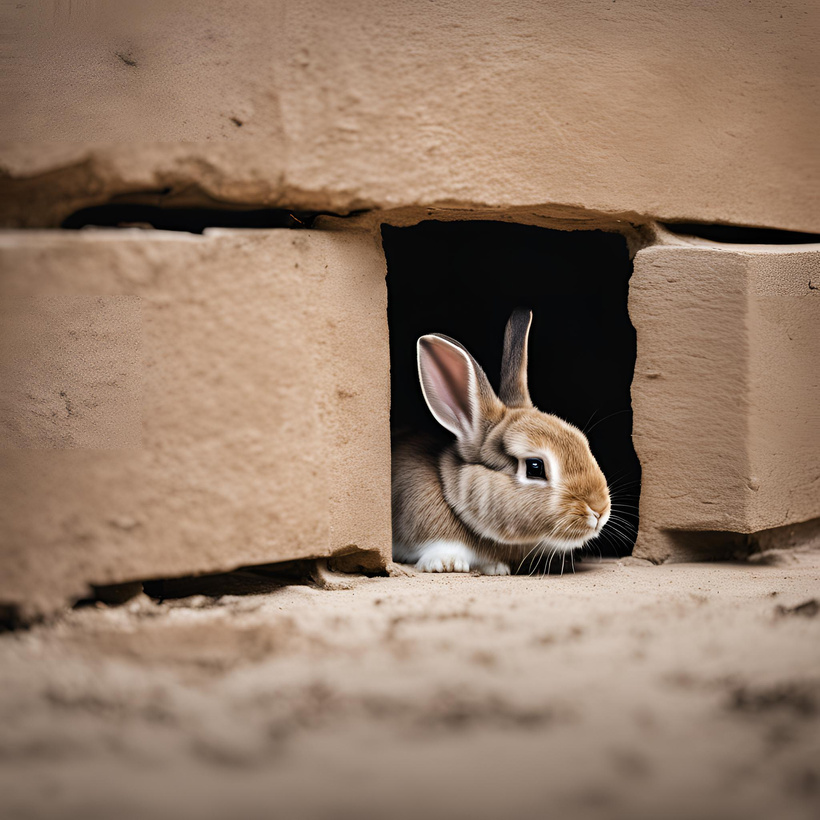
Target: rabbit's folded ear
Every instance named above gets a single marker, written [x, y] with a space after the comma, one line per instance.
[455, 388]
[514, 391]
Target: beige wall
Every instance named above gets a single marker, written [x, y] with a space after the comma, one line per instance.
[177, 404]
[726, 391]
[174, 404]
[702, 111]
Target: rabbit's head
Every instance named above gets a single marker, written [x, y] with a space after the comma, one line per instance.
[516, 475]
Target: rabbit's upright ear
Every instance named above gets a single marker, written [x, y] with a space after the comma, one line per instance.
[455, 388]
[514, 391]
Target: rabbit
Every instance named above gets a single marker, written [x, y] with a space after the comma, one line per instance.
[514, 483]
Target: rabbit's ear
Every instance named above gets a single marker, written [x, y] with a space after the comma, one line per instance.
[455, 388]
[514, 391]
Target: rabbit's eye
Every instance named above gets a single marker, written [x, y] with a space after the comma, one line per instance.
[535, 468]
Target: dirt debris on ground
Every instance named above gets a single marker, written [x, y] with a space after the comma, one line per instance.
[621, 691]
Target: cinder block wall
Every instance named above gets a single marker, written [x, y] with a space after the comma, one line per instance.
[177, 404]
[700, 111]
[173, 404]
[725, 395]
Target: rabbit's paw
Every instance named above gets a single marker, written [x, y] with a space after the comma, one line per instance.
[495, 568]
[445, 556]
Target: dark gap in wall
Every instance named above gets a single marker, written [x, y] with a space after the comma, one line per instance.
[192, 220]
[251, 580]
[763, 546]
[734, 234]
[11, 619]
[464, 278]
[254, 579]
[208, 590]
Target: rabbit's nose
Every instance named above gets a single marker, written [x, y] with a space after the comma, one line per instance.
[593, 516]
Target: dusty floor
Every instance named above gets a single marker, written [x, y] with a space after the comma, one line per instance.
[623, 691]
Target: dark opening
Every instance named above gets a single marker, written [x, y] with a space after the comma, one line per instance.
[192, 220]
[464, 278]
[742, 235]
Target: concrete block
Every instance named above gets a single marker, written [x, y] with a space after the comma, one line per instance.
[174, 404]
[678, 111]
[725, 394]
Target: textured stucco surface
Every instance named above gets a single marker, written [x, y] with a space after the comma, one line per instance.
[71, 372]
[726, 390]
[188, 404]
[702, 111]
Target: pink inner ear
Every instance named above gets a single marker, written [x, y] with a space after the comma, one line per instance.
[446, 375]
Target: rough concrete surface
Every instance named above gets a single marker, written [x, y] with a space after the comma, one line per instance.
[622, 691]
[174, 404]
[701, 111]
[71, 372]
[726, 390]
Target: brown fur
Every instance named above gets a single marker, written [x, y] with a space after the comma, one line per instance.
[469, 490]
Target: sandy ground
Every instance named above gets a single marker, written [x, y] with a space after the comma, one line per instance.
[622, 691]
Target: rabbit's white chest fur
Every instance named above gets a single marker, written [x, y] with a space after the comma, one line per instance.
[448, 556]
